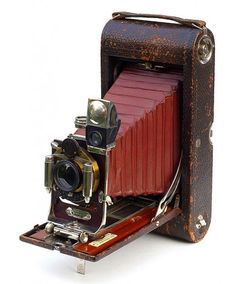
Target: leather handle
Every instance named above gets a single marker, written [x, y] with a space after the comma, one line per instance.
[187, 22]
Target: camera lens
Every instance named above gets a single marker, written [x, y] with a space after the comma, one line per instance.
[67, 176]
[95, 138]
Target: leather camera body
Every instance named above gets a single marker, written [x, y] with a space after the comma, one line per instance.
[141, 160]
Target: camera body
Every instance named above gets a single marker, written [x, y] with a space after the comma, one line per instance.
[141, 160]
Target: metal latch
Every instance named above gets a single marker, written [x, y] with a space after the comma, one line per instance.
[78, 213]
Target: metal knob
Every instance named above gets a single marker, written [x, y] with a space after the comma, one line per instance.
[205, 49]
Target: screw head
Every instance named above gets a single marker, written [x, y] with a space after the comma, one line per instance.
[49, 228]
[201, 222]
[198, 142]
[83, 237]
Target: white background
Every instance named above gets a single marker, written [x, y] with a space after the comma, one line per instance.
[49, 66]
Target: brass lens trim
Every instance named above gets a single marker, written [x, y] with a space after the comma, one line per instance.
[80, 160]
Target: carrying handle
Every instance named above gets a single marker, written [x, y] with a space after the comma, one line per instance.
[186, 22]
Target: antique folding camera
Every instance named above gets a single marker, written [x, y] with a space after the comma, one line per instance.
[141, 160]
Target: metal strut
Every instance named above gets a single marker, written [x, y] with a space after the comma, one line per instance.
[167, 198]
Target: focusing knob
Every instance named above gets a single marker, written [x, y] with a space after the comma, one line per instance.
[70, 147]
[205, 49]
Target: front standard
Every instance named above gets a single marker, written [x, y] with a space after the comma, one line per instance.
[141, 159]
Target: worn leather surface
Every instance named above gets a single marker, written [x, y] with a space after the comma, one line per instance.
[126, 39]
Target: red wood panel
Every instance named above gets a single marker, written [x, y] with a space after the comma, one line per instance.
[121, 231]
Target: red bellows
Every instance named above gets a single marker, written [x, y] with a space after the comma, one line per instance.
[147, 149]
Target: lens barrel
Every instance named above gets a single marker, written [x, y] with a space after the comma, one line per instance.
[67, 176]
